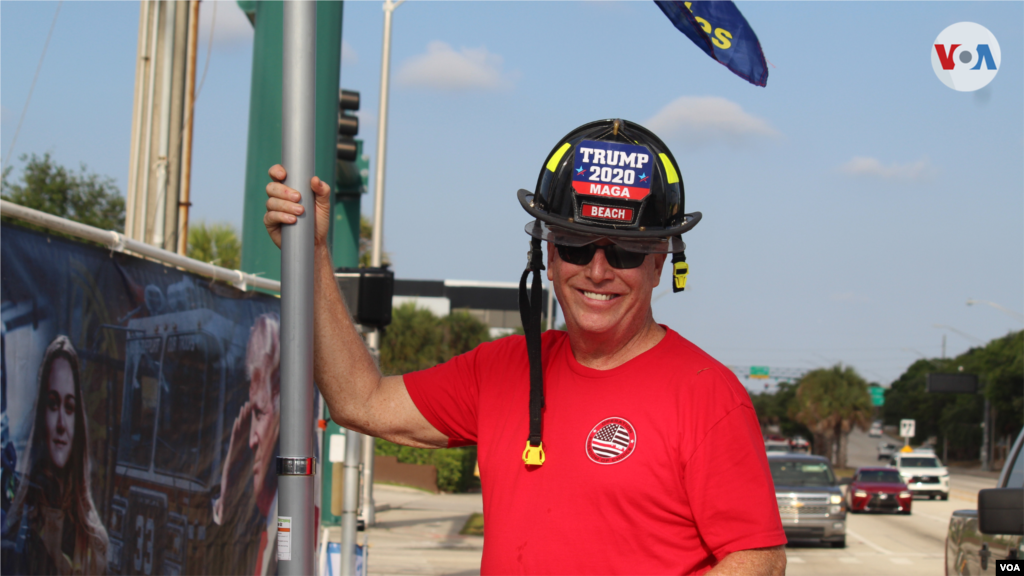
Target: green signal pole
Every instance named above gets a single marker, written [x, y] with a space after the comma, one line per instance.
[259, 255]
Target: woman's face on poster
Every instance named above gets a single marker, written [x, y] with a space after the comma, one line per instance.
[60, 412]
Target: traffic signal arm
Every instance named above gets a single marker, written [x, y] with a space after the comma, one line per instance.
[358, 396]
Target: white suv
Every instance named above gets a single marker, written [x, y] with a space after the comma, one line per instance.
[923, 473]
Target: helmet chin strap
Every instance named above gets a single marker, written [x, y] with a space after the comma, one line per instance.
[529, 311]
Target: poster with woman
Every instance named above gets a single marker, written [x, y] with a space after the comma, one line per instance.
[131, 394]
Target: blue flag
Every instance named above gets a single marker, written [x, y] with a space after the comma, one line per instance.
[719, 29]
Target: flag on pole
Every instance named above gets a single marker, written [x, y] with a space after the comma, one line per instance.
[718, 28]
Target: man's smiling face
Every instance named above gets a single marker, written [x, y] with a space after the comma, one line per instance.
[600, 300]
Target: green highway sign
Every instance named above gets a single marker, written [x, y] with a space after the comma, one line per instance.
[758, 371]
[877, 395]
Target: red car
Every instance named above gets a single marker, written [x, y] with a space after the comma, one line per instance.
[878, 490]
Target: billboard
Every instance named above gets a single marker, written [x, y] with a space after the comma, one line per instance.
[140, 415]
[951, 383]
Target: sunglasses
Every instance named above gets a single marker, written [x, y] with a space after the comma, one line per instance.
[617, 257]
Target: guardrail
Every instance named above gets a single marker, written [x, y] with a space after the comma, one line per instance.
[120, 243]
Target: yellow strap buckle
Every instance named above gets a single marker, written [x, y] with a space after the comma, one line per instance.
[679, 272]
[533, 455]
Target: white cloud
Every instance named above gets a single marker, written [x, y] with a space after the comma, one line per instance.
[863, 166]
[700, 119]
[444, 68]
[348, 54]
[231, 27]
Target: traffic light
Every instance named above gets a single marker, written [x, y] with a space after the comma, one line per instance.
[348, 125]
[353, 166]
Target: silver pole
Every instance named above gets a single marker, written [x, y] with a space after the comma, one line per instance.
[382, 137]
[986, 433]
[164, 144]
[143, 60]
[350, 509]
[142, 225]
[376, 253]
[369, 512]
[296, 465]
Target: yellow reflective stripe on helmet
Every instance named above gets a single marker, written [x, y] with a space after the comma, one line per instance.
[553, 163]
[671, 176]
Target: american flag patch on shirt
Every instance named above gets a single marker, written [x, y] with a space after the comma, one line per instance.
[611, 440]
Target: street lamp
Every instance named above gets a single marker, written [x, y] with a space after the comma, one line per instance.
[1003, 309]
[377, 242]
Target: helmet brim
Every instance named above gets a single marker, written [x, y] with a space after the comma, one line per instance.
[562, 231]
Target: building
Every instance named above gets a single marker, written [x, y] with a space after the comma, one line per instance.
[496, 304]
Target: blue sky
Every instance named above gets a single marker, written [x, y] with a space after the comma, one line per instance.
[849, 207]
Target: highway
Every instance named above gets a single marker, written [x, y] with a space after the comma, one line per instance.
[881, 544]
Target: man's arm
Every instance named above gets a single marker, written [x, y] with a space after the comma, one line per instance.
[756, 562]
[358, 396]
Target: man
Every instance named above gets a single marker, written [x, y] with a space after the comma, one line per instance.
[643, 454]
[255, 433]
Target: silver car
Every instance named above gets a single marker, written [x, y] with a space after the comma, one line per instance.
[811, 503]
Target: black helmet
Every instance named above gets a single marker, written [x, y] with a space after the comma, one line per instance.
[610, 179]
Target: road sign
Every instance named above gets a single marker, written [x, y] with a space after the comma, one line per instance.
[877, 395]
[907, 428]
[952, 383]
[759, 371]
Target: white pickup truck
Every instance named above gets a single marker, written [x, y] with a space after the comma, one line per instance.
[977, 539]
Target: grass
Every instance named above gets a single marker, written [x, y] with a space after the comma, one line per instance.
[474, 526]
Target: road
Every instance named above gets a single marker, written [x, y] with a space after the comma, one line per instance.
[417, 533]
[880, 544]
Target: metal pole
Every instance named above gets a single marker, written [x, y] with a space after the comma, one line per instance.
[184, 181]
[369, 511]
[986, 427]
[296, 465]
[146, 165]
[1002, 309]
[164, 144]
[382, 137]
[143, 60]
[350, 511]
[376, 253]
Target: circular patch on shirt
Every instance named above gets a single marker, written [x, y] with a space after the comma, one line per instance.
[611, 441]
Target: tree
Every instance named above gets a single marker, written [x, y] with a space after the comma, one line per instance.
[416, 339]
[775, 409]
[412, 342]
[215, 244]
[955, 418]
[80, 196]
[830, 402]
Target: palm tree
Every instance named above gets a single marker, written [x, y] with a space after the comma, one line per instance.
[215, 243]
[830, 402]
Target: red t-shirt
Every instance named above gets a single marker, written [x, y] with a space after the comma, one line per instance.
[654, 467]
